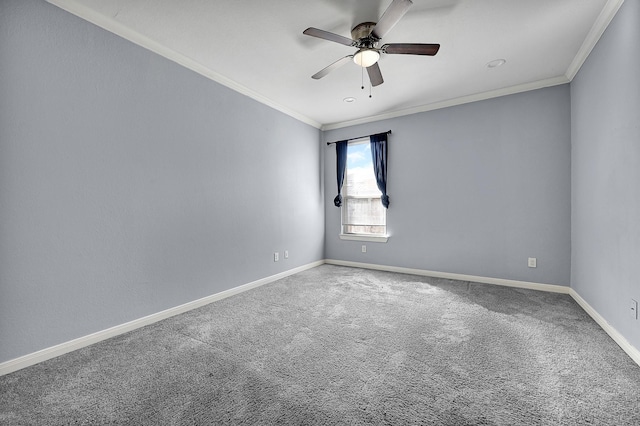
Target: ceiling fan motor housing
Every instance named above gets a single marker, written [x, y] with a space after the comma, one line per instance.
[362, 34]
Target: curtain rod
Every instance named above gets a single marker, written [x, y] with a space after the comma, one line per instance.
[359, 137]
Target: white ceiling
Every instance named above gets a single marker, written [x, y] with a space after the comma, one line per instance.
[257, 48]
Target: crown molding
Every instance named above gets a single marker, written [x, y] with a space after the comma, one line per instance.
[555, 81]
[78, 9]
[593, 36]
[599, 26]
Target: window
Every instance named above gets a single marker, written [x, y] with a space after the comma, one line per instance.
[362, 211]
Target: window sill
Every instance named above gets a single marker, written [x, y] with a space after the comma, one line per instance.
[368, 238]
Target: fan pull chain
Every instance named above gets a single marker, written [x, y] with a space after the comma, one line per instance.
[362, 78]
[369, 89]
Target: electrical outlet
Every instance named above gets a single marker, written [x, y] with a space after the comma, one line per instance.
[533, 262]
[364, 248]
[276, 256]
[634, 309]
[286, 254]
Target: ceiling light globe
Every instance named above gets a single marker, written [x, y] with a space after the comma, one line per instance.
[366, 57]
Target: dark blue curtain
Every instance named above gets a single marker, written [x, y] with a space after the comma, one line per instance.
[379, 157]
[341, 166]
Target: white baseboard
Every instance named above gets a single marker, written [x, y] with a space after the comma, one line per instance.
[633, 353]
[612, 332]
[81, 342]
[551, 288]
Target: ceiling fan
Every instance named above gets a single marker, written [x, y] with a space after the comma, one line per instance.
[366, 37]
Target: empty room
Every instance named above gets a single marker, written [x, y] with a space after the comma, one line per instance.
[320, 212]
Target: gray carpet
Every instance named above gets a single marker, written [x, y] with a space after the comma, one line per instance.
[337, 345]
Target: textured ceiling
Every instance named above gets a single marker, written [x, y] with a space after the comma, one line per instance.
[257, 48]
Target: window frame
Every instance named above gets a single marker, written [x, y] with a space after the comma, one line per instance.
[345, 197]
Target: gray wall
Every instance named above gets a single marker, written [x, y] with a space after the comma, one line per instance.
[605, 105]
[475, 189]
[129, 185]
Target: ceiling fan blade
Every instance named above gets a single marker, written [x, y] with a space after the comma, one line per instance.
[326, 35]
[390, 17]
[337, 64]
[410, 49]
[375, 76]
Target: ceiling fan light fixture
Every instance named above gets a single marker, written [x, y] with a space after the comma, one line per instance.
[366, 57]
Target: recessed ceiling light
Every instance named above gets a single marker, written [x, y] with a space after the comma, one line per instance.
[496, 63]
[349, 100]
